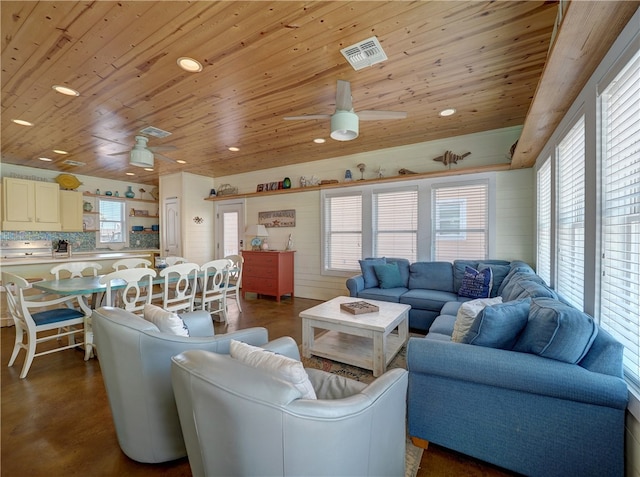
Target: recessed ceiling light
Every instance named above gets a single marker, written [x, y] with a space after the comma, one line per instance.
[45, 159]
[150, 169]
[180, 161]
[65, 90]
[319, 140]
[60, 151]
[189, 64]
[447, 112]
[22, 122]
[234, 149]
[130, 173]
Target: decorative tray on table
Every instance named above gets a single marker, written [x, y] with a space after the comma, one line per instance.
[359, 307]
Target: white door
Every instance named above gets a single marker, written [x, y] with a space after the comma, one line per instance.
[171, 229]
[230, 229]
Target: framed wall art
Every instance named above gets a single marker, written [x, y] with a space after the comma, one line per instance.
[278, 218]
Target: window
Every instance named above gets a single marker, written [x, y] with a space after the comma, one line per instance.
[112, 221]
[396, 224]
[543, 260]
[570, 227]
[342, 218]
[460, 228]
[620, 266]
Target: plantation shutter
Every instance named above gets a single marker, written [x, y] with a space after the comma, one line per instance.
[460, 221]
[620, 281]
[396, 224]
[570, 232]
[543, 259]
[343, 232]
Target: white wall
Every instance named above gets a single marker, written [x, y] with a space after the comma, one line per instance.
[514, 194]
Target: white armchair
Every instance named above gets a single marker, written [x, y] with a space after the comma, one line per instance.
[239, 420]
[135, 360]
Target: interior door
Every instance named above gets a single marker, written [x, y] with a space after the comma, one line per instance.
[230, 228]
[171, 229]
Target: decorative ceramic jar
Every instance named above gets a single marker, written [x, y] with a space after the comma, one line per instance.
[87, 206]
[286, 183]
[130, 194]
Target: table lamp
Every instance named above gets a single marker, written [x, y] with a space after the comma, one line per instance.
[258, 231]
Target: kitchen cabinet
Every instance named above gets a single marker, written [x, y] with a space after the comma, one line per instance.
[268, 273]
[70, 211]
[30, 205]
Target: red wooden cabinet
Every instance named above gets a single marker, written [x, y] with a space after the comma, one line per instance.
[268, 273]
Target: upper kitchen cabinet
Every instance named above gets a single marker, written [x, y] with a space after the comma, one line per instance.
[71, 211]
[30, 205]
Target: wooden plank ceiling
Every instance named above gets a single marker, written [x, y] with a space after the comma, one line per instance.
[262, 61]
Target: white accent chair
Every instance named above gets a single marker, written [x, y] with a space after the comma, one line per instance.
[69, 320]
[235, 278]
[180, 286]
[213, 287]
[241, 420]
[131, 263]
[135, 362]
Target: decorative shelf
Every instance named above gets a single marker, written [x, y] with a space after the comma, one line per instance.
[145, 231]
[145, 216]
[148, 201]
[84, 212]
[355, 183]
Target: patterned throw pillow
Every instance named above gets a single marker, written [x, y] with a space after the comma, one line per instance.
[476, 284]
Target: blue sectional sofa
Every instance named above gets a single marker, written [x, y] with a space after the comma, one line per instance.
[531, 384]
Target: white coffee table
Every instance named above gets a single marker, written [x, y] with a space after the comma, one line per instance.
[366, 340]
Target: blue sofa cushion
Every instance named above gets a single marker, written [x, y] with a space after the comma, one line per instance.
[476, 284]
[431, 276]
[498, 326]
[557, 331]
[509, 283]
[432, 300]
[388, 275]
[383, 294]
[368, 272]
[467, 314]
[403, 266]
[499, 273]
[524, 269]
[528, 288]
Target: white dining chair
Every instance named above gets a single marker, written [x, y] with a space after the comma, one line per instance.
[180, 286]
[235, 278]
[75, 269]
[35, 327]
[174, 260]
[131, 263]
[136, 293]
[213, 287]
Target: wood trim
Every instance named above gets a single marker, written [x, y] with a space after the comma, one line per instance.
[586, 33]
[356, 183]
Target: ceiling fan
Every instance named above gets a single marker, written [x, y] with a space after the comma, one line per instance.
[344, 122]
[141, 155]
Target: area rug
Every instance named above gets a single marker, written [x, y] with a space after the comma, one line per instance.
[413, 453]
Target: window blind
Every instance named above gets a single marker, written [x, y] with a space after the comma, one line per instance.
[620, 263]
[396, 224]
[112, 221]
[570, 209]
[343, 232]
[460, 221]
[543, 259]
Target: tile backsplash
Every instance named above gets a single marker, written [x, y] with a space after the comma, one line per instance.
[84, 241]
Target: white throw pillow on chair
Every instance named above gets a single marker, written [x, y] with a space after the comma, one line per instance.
[278, 365]
[166, 321]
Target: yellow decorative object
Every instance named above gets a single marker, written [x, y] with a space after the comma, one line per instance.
[68, 181]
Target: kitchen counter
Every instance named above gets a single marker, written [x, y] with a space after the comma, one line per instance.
[88, 256]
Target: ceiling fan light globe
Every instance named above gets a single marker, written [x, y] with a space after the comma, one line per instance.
[344, 126]
[141, 157]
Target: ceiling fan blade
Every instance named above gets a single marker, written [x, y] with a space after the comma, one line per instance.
[166, 148]
[307, 116]
[374, 115]
[343, 96]
[111, 140]
[162, 156]
[118, 153]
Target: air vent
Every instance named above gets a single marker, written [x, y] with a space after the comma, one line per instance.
[366, 53]
[69, 162]
[155, 132]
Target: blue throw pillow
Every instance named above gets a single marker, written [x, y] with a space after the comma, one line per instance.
[389, 275]
[557, 331]
[498, 326]
[498, 272]
[368, 273]
[476, 284]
